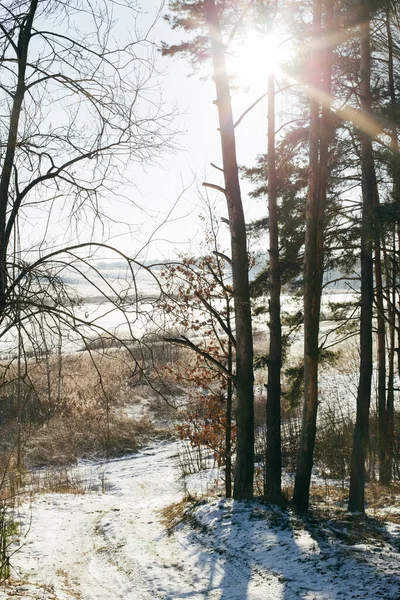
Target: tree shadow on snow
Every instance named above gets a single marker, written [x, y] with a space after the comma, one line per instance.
[252, 551]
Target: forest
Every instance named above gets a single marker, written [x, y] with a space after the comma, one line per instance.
[264, 346]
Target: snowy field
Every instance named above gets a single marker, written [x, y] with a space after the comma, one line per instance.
[114, 544]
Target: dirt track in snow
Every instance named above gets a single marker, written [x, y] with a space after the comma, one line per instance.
[113, 546]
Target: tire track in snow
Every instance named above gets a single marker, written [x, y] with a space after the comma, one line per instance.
[67, 555]
[113, 546]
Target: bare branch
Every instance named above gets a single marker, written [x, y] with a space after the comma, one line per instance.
[213, 186]
[249, 109]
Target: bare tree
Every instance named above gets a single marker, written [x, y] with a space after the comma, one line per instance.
[208, 19]
[77, 110]
[197, 300]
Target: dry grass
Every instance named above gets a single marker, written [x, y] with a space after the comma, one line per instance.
[80, 405]
[65, 439]
[179, 512]
[174, 514]
[331, 499]
[53, 480]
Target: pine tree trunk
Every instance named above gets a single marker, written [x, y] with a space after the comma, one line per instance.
[320, 134]
[381, 350]
[389, 455]
[228, 430]
[361, 430]
[396, 197]
[390, 268]
[389, 414]
[244, 469]
[273, 459]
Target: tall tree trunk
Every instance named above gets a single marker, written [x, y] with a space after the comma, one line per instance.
[273, 459]
[390, 269]
[389, 414]
[244, 469]
[396, 198]
[320, 135]
[389, 428]
[381, 341]
[229, 399]
[361, 430]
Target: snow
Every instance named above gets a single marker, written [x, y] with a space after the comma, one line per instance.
[112, 544]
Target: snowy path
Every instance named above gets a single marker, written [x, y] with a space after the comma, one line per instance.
[112, 546]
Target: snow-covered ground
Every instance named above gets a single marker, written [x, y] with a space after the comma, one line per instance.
[111, 544]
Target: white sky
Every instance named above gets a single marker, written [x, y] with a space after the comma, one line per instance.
[159, 186]
[174, 181]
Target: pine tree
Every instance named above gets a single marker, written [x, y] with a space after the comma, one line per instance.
[320, 137]
[207, 16]
[368, 183]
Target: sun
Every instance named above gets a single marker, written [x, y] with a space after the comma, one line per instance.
[259, 56]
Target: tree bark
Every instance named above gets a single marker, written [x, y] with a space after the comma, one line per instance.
[381, 341]
[361, 430]
[396, 191]
[320, 135]
[244, 468]
[273, 459]
[389, 425]
[228, 431]
[387, 472]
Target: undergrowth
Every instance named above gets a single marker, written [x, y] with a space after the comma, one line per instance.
[182, 512]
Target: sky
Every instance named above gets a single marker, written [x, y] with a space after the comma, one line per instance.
[175, 181]
[155, 215]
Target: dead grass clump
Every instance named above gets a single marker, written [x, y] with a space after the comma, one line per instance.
[156, 351]
[179, 512]
[331, 498]
[163, 411]
[328, 493]
[174, 514]
[379, 496]
[65, 439]
[53, 480]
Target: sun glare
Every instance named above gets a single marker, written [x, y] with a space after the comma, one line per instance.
[259, 56]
